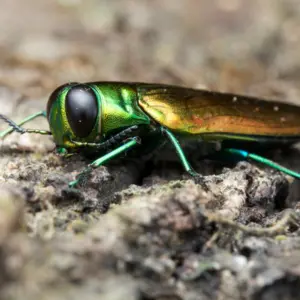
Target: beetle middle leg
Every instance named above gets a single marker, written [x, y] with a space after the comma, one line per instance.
[186, 165]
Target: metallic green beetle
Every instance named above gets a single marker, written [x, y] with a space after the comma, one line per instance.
[100, 116]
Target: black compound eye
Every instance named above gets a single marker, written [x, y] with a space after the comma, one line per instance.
[55, 95]
[81, 109]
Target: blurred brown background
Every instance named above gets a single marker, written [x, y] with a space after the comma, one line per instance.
[251, 47]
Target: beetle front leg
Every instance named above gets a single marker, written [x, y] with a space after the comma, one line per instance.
[81, 178]
[116, 139]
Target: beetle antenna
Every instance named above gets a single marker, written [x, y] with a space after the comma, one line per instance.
[12, 124]
[15, 127]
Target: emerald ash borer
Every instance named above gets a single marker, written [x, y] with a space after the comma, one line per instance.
[114, 118]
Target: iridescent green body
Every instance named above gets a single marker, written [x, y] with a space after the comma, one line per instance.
[117, 105]
[187, 112]
[101, 116]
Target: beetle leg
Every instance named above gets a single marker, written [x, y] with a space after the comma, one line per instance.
[130, 143]
[187, 167]
[63, 152]
[263, 160]
[116, 139]
[16, 126]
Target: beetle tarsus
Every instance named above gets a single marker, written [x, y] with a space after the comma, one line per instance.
[82, 178]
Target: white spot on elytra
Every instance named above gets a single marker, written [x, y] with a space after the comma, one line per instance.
[282, 119]
[234, 99]
[276, 108]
